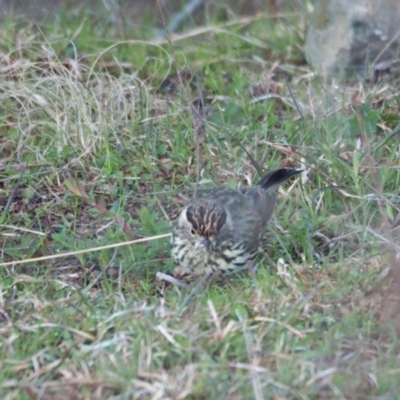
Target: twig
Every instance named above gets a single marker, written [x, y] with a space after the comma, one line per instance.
[73, 253]
[187, 10]
[196, 126]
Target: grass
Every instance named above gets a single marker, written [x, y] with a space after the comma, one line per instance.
[101, 142]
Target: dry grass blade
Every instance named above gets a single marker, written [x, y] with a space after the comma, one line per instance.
[93, 249]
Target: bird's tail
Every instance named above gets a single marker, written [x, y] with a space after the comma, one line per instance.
[275, 177]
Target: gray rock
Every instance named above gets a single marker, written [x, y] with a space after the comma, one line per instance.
[353, 35]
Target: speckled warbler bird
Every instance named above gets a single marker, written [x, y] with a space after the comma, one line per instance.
[219, 231]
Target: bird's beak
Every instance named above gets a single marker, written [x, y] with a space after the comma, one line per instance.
[207, 244]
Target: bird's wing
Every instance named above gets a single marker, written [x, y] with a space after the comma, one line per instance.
[245, 217]
[263, 203]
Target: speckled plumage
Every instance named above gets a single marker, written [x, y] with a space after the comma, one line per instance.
[219, 230]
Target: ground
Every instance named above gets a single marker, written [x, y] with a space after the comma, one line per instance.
[106, 129]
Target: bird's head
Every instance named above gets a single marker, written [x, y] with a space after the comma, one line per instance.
[202, 222]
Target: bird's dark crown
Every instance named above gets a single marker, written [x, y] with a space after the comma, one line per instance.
[207, 219]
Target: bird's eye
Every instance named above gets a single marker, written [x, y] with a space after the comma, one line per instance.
[192, 232]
